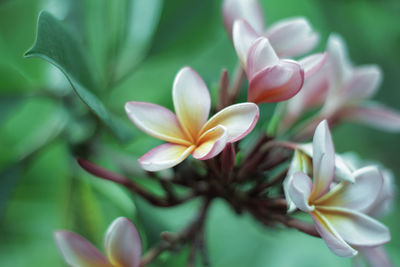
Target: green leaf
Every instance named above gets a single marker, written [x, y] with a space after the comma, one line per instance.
[57, 45]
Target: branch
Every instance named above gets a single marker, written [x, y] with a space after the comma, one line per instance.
[191, 233]
[135, 188]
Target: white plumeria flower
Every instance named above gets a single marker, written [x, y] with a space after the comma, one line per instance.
[271, 79]
[122, 246]
[375, 256]
[190, 131]
[302, 162]
[339, 211]
[289, 38]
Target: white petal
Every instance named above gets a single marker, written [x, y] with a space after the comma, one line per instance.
[156, 121]
[343, 170]
[360, 195]
[243, 38]
[323, 160]
[331, 237]
[122, 243]
[191, 101]
[248, 10]
[238, 119]
[78, 252]
[292, 37]
[211, 143]
[299, 189]
[356, 228]
[385, 200]
[164, 156]
[260, 56]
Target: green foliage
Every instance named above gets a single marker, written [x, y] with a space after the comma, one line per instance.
[57, 45]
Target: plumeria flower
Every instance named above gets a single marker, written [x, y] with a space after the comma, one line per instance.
[190, 131]
[343, 92]
[122, 246]
[271, 79]
[289, 38]
[312, 95]
[303, 162]
[350, 86]
[339, 210]
[375, 256]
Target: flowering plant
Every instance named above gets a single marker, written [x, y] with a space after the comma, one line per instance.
[259, 167]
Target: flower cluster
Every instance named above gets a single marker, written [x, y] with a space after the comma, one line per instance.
[342, 199]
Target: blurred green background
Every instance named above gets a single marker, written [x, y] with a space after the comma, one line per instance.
[133, 50]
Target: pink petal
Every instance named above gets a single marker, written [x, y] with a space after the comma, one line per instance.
[238, 119]
[359, 196]
[364, 83]
[323, 160]
[164, 156]
[299, 189]
[338, 62]
[312, 94]
[211, 143]
[260, 56]
[278, 83]
[292, 37]
[77, 251]
[122, 243]
[243, 38]
[331, 237]
[376, 256]
[313, 63]
[356, 228]
[156, 121]
[249, 10]
[191, 101]
[374, 115]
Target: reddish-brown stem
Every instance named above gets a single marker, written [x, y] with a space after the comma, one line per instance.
[122, 180]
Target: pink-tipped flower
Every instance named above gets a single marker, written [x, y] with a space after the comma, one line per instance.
[338, 210]
[271, 79]
[289, 38]
[343, 92]
[122, 247]
[190, 131]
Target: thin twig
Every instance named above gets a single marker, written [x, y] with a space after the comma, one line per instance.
[189, 234]
[122, 180]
